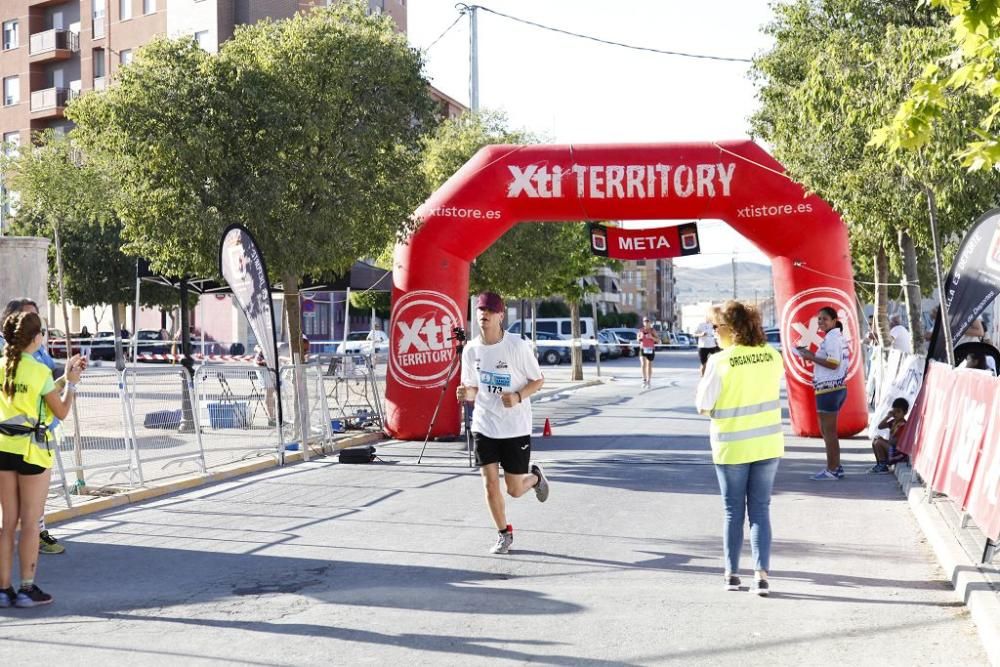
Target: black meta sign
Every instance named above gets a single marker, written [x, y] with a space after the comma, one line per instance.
[654, 243]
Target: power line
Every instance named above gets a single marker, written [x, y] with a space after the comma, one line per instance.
[446, 31]
[609, 42]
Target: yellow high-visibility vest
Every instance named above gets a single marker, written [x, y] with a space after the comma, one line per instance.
[746, 418]
[24, 407]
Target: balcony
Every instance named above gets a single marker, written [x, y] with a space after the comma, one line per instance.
[44, 3]
[99, 27]
[52, 45]
[50, 102]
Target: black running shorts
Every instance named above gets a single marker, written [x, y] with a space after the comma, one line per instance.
[15, 463]
[513, 454]
[705, 352]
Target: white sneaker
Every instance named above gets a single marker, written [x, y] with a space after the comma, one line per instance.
[504, 540]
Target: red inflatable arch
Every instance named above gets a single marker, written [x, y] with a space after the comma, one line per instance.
[737, 182]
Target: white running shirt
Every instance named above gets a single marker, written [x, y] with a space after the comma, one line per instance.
[708, 340]
[501, 368]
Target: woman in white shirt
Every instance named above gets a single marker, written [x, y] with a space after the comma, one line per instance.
[830, 385]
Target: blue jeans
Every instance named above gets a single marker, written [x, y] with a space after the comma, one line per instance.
[747, 486]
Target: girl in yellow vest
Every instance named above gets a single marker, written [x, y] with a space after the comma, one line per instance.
[28, 401]
[740, 391]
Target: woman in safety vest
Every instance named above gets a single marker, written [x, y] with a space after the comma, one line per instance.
[830, 384]
[28, 401]
[740, 391]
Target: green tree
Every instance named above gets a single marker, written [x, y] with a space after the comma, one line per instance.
[69, 199]
[974, 69]
[307, 131]
[837, 73]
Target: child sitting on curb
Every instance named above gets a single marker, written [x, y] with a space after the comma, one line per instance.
[885, 450]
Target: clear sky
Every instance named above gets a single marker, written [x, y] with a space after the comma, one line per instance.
[571, 90]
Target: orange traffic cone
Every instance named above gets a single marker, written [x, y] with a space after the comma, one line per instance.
[547, 429]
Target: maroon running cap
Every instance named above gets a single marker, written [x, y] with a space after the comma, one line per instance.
[490, 301]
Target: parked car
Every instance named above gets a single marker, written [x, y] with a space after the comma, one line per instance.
[56, 343]
[773, 337]
[371, 343]
[102, 346]
[629, 339]
[610, 345]
[152, 341]
[553, 355]
[561, 326]
[684, 339]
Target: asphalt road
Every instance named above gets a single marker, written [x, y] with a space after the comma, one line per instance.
[324, 563]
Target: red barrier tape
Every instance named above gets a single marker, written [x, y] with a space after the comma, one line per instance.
[953, 439]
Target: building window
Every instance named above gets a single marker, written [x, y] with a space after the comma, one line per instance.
[201, 37]
[148, 6]
[11, 90]
[98, 63]
[125, 57]
[11, 142]
[124, 10]
[10, 39]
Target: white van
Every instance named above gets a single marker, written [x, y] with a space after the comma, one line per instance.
[560, 326]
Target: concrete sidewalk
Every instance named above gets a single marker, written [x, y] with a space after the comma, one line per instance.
[323, 563]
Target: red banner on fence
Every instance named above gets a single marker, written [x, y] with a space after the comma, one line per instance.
[953, 439]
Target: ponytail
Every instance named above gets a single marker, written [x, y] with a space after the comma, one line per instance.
[19, 330]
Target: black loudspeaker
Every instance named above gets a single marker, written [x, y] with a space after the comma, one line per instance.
[364, 454]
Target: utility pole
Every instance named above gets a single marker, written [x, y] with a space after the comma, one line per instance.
[474, 106]
[473, 58]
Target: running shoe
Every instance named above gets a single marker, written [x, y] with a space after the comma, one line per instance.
[542, 488]
[32, 597]
[504, 540]
[879, 469]
[761, 588]
[7, 598]
[824, 476]
[732, 582]
[48, 544]
[839, 472]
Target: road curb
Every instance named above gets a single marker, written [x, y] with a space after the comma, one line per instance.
[186, 483]
[969, 583]
[545, 393]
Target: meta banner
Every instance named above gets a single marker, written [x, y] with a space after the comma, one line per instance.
[656, 243]
[242, 265]
[973, 283]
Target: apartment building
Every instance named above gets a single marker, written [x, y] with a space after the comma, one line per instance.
[55, 50]
[644, 287]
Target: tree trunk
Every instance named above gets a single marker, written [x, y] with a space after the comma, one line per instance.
[576, 351]
[911, 279]
[881, 320]
[116, 322]
[77, 446]
[301, 403]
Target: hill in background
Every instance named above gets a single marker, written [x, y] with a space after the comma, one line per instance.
[715, 283]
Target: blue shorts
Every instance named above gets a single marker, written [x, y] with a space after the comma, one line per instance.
[831, 401]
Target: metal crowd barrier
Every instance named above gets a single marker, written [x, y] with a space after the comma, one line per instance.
[152, 423]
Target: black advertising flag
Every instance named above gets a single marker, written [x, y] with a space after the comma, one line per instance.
[242, 266]
[973, 282]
